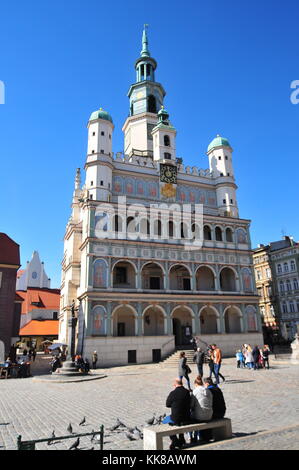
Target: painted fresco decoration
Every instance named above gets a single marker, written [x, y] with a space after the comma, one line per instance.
[130, 186]
[98, 320]
[241, 236]
[100, 273]
[247, 280]
[251, 318]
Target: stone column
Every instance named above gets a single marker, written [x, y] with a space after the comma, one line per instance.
[221, 319]
[139, 329]
[109, 319]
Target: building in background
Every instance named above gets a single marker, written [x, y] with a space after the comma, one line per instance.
[140, 294]
[10, 303]
[39, 318]
[40, 304]
[34, 275]
[276, 268]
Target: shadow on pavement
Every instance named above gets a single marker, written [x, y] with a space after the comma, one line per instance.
[238, 381]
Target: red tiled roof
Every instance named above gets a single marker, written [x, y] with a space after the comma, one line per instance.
[9, 250]
[40, 328]
[46, 299]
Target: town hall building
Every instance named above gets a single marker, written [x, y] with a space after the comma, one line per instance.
[143, 278]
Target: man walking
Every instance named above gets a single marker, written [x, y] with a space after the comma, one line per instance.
[199, 358]
[217, 359]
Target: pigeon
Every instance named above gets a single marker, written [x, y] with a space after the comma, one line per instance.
[137, 433]
[82, 422]
[130, 436]
[151, 421]
[120, 423]
[75, 444]
[70, 429]
[53, 436]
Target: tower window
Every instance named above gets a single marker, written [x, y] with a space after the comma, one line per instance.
[91, 183]
[224, 201]
[92, 151]
[219, 158]
[102, 133]
[151, 104]
[228, 174]
[110, 136]
[93, 133]
[221, 174]
[102, 183]
[231, 201]
[91, 196]
[166, 141]
[102, 151]
[167, 156]
[226, 157]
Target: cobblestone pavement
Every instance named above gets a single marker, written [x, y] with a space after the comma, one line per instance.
[257, 401]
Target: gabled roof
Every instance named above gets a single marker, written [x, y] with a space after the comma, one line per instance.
[40, 328]
[9, 250]
[39, 299]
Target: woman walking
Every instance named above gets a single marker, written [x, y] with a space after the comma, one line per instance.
[184, 369]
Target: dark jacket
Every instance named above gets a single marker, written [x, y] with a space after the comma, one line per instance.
[219, 407]
[179, 401]
[256, 354]
[199, 357]
[183, 367]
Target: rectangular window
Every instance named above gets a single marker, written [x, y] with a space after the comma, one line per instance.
[102, 183]
[102, 151]
[102, 133]
[55, 315]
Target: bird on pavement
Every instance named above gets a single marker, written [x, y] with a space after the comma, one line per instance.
[130, 436]
[70, 429]
[75, 444]
[151, 420]
[82, 422]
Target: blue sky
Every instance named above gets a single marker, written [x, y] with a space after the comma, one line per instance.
[226, 66]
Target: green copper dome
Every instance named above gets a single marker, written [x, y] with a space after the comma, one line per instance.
[100, 114]
[218, 142]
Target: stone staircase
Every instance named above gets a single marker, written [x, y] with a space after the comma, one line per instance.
[173, 359]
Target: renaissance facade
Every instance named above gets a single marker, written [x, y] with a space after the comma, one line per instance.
[144, 285]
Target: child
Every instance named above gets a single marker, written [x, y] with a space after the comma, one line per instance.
[240, 359]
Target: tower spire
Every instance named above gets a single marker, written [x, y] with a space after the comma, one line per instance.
[145, 52]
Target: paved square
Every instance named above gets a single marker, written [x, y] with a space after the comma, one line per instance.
[257, 401]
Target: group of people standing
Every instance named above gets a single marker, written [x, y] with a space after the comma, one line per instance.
[253, 358]
[212, 356]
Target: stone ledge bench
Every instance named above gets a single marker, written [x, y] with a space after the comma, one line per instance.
[153, 435]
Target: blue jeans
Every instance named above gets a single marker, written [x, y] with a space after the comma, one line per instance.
[187, 378]
[216, 372]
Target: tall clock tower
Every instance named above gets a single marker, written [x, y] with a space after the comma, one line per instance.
[146, 98]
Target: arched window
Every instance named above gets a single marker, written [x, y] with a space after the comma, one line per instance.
[293, 268]
[207, 234]
[218, 234]
[166, 141]
[151, 104]
[229, 235]
[286, 267]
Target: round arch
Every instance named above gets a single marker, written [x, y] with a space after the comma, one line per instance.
[228, 279]
[205, 278]
[124, 320]
[154, 321]
[209, 318]
[233, 319]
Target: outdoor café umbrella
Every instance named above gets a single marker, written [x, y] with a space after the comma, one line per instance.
[56, 345]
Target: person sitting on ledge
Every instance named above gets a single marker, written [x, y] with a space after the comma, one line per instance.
[179, 402]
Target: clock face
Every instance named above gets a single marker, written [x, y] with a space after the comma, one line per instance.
[168, 174]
